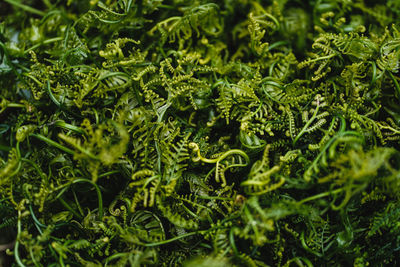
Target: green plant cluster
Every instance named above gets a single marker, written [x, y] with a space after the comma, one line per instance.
[200, 133]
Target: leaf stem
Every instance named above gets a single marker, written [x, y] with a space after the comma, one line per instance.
[16, 247]
[98, 192]
[396, 84]
[321, 195]
[307, 124]
[170, 240]
[63, 124]
[48, 41]
[53, 143]
[68, 207]
[48, 89]
[26, 8]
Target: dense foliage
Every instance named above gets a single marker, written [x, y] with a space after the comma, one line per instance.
[200, 133]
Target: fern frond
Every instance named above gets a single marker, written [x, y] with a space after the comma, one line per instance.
[175, 159]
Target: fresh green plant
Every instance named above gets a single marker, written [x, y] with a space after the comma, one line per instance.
[200, 133]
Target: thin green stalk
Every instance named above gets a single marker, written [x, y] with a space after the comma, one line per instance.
[35, 219]
[304, 129]
[304, 244]
[321, 195]
[98, 192]
[47, 3]
[36, 167]
[232, 241]
[373, 79]
[77, 203]
[99, 196]
[115, 256]
[166, 7]
[26, 8]
[67, 126]
[277, 44]
[53, 143]
[68, 207]
[48, 41]
[16, 247]
[191, 233]
[80, 148]
[15, 105]
[164, 242]
[48, 89]
[321, 58]
[33, 257]
[108, 173]
[214, 197]
[396, 84]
